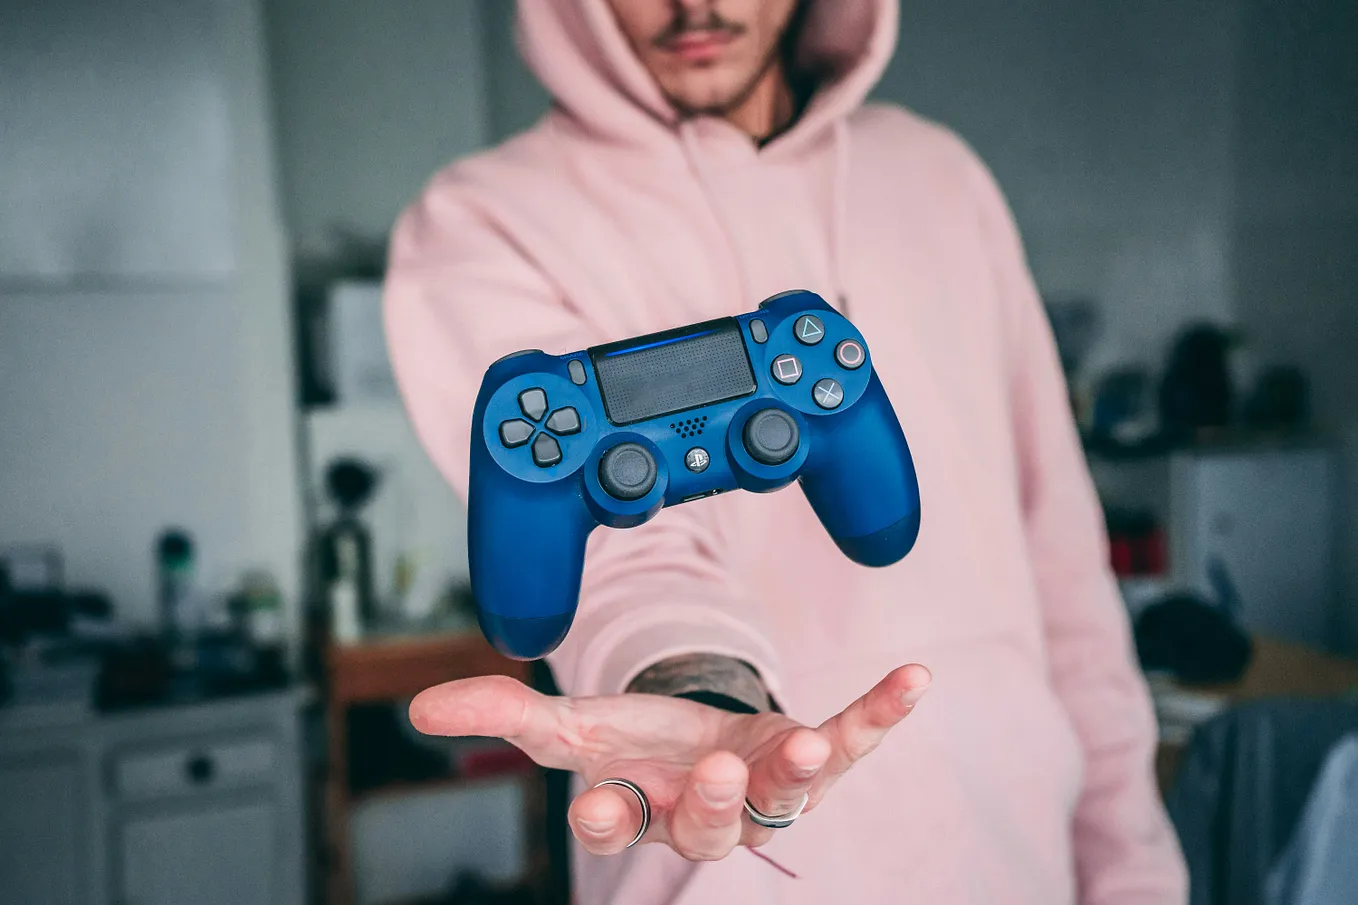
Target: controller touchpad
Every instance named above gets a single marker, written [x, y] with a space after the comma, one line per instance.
[671, 372]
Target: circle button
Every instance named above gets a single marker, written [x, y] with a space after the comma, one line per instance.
[771, 436]
[828, 393]
[850, 355]
[627, 472]
[697, 459]
[808, 329]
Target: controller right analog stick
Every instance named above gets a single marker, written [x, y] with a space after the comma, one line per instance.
[627, 472]
[771, 436]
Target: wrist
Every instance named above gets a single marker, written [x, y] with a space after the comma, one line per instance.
[712, 679]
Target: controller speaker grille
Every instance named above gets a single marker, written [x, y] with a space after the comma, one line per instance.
[689, 427]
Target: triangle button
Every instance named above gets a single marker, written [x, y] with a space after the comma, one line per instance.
[808, 329]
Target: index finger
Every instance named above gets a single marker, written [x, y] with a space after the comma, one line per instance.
[859, 728]
[498, 707]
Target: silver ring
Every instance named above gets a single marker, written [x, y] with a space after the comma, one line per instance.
[782, 820]
[641, 797]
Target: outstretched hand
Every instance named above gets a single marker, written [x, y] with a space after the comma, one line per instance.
[696, 764]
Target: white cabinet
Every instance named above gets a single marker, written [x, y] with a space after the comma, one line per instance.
[1265, 517]
[208, 855]
[200, 804]
[42, 830]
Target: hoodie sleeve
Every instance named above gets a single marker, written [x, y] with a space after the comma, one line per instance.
[459, 294]
[1126, 851]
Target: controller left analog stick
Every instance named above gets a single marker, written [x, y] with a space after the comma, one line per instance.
[627, 472]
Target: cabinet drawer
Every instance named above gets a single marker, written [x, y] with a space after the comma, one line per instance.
[188, 767]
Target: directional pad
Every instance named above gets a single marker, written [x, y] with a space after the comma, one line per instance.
[534, 403]
[546, 451]
[564, 421]
[515, 432]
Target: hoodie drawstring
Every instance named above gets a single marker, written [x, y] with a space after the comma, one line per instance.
[839, 215]
[693, 157]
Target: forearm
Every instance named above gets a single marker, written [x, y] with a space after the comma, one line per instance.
[711, 679]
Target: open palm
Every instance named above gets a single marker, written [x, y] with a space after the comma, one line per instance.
[697, 764]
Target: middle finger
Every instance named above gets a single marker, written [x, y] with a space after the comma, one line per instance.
[706, 822]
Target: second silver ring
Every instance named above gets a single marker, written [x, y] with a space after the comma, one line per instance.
[779, 822]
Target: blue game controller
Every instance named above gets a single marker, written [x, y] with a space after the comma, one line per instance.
[609, 436]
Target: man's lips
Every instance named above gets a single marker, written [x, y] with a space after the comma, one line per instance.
[698, 46]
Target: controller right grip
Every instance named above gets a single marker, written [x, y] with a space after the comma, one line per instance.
[860, 480]
[526, 556]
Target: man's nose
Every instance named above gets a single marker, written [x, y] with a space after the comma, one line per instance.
[692, 7]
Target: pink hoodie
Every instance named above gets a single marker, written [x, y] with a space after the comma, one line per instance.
[1025, 776]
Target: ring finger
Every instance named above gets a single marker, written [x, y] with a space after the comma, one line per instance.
[781, 779]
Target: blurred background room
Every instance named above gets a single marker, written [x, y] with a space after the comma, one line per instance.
[226, 563]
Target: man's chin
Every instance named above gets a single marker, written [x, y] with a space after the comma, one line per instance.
[712, 102]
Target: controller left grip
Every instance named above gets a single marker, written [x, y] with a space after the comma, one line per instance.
[526, 555]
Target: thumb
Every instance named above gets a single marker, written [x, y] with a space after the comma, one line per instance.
[497, 707]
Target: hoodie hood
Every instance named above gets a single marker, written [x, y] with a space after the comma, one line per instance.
[577, 51]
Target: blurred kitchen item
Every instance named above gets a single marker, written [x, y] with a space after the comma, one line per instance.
[32, 567]
[1124, 413]
[355, 345]
[346, 549]
[1192, 639]
[179, 606]
[1279, 400]
[1196, 393]
[1136, 542]
[257, 609]
[52, 613]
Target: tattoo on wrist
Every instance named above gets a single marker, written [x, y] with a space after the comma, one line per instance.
[700, 676]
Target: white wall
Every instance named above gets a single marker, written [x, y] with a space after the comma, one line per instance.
[516, 98]
[1296, 236]
[371, 99]
[1109, 127]
[136, 399]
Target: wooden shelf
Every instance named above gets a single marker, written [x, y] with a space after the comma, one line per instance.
[395, 666]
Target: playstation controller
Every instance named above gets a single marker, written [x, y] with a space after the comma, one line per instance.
[562, 444]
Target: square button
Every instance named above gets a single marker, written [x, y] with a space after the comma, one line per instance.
[787, 370]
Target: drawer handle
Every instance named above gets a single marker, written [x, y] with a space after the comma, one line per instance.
[199, 769]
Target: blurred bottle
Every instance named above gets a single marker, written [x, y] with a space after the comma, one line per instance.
[346, 550]
[257, 609]
[175, 580]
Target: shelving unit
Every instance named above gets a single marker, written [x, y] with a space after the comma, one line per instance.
[392, 668]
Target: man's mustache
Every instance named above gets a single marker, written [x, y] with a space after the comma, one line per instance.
[686, 22]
